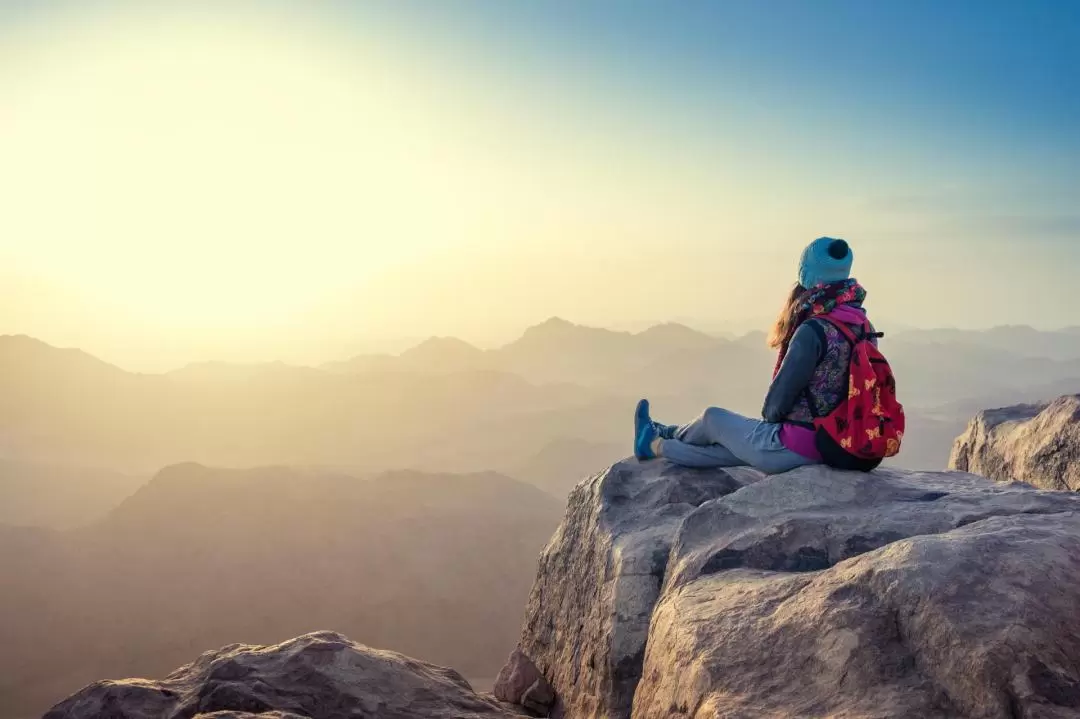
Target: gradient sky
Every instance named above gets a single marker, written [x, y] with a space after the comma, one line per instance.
[264, 180]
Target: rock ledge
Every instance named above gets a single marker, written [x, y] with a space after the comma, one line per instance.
[674, 593]
[1038, 444]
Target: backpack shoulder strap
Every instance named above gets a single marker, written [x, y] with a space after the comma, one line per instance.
[843, 328]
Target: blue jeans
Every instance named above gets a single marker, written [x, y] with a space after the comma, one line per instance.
[719, 438]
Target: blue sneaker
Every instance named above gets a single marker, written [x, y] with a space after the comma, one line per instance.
[642, 418]
[643, 441]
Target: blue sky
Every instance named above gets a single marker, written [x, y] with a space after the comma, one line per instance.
[956, 124]
[967, 113]
[981, 82]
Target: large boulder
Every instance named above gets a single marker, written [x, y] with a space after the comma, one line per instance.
[888, 595]
[1038, 444]
[813, 593]
[599, 578]
[316, 676]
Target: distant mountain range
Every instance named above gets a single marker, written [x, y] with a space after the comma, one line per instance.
[437, 354]
[447, 406]
[1014, 339]
[542, 350]
[65, 407]
[437, 566]
[552, 352]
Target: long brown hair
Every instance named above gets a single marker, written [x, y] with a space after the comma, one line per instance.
[786, 320]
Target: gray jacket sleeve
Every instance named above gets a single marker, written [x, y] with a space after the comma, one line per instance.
[804, 354]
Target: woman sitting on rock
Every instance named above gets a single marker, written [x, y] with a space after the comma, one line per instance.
[821, 330]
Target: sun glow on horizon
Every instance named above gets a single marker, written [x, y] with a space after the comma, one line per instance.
[200, 175]
[226, 169]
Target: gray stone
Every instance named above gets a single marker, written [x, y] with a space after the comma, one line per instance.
[812, 593]
[599, 578]
[1038, 444]
[892, 594]
[976, 622]
[316, 676]
[815, 517]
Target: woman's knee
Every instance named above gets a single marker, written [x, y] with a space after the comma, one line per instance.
[725, 423]
[715, 415]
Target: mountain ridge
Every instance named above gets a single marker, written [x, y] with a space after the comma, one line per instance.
[485, 409]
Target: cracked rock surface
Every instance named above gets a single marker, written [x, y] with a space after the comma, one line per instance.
[675, 593]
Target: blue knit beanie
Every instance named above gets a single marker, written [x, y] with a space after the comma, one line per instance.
[825, 260]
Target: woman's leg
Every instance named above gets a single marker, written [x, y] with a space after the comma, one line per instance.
[719, 438]
[698, 456]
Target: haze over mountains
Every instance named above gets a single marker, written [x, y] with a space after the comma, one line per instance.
[435, 565]
[447, 406]
[45, 495]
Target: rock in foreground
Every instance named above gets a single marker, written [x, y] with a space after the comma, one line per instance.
[316, 676]
[599, 578]
[810, 594]
[1037, 444]
[976, 622]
